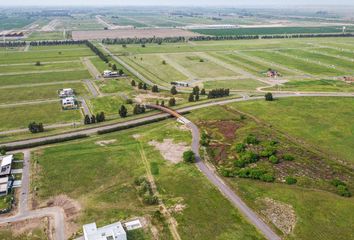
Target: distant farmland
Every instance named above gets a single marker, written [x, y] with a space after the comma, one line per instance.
[272, 30]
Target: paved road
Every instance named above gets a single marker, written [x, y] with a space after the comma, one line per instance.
[24, 212]
[92, 88]
[85, 107]
[94, 130]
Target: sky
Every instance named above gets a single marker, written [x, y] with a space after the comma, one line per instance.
[172, 2]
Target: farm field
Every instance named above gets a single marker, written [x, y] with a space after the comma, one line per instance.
[123, 160]
[322, 85]
[46, 113]
[45, 92]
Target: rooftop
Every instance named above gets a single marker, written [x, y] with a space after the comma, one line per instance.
[114, 231]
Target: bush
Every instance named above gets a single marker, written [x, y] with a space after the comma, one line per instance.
[268, 177]
[240, 147]
[188, 156]
[268, 96]
[343, 191]
[240, 163]
[154, 166]
[337, 182]
[268, 151]
[150, 199]
[251, 139]
[35, 128]
[288, 157]
[290, 180]
[249, 157]
[273, 159]
[205, 139]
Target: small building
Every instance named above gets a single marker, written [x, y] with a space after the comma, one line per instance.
[132, 225]
[273, 73]
[5, 185]
[109, 74]
[66, 92]
[5, 166]
[69, 103]
[181, 84]
[114, 231]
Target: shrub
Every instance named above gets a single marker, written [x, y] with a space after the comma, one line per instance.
[288, 157]
[188, 156]
[343, 191]
[240, 163]
[138, 181]
[205, 139]
[240, 147]
[129, 101]
[290, 180]
[337, 182]
[268, 177]
[251, 139]
[35, 128]
[273, 159]
[154, 168]
[268, 96]
[249, 157]
[268, 151]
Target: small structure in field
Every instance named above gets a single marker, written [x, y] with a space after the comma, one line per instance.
[69, 103]
[132, 225]
[6, 162]
[110, 74]
[66, 92]
[114, 231]
[273, 73]
[181, 84]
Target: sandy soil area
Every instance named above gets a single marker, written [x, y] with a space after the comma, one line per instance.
[171, 151]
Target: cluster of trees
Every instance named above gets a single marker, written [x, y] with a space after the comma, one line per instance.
[97, 51]
[155, 89]
[34, 127]
[173, 90]
[138, 109]
[13, 44]
[218, 93]
[157, 40]
[194, 96]
[58, 42]
[140, 85]
[100, 117]
[188, 156]
[268, 96]
[145, 191]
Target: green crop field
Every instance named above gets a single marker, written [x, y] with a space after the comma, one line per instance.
[116, 198]
[271, 30]
[43, 77]
[22, 94]
[46, 113]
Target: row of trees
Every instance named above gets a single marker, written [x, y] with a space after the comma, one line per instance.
[58, 42]
[136, 40]
[97, 51]
[34, 127]
[218, 93]
[100, 117]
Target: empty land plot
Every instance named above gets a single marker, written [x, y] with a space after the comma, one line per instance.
[335, 52]
[46, 113]
[201, 68]
[36, 36]
[154, 64]
[43, 77]
[22, 94]
[109, 105]
[322, 85]
[237, 84]
[294, 63]
[340, 45]
[342, 64]
[125, 21]
[31, 67]
[48, 55]
[122, 85]
[131, 33]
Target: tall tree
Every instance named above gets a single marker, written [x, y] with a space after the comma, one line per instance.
[174, 90]
[123, 111]
[172, 102]
[191, 98]
[133, 83]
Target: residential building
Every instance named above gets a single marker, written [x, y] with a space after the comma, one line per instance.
[69, 103]
[66, 92]
[181, 84]
[4, 185]
[5, 166]
[109, 73]
[114, 231]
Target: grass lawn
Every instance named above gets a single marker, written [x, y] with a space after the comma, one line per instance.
[205, 69]
[320, 215]
[21, 94]
[115, 85]
[36, 36]
[44, 77]
[75, 65]
[323, 122]
[315, 86]
[109, 105]
[46, 113]
[237, 84]
[208, 215]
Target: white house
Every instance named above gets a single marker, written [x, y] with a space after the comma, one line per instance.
[5, 166]
[114, 231]
[109, 73]
[69, 103]
[66, 92]
[4, 185]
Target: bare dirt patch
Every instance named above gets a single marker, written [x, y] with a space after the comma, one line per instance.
[280, 214]
[172, 152]
[104, 143]
[26, 227]
[131, 33]
[71, 209]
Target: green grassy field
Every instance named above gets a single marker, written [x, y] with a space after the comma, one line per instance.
[34, 234]
[324, 123]
[21, 94]
[15, 68]
[109, 105]
[44, 77]
[122, 85]
[46, 113]
[238, 84]
[270, 31]
[37, 36]
[322, 85]
[208, 215]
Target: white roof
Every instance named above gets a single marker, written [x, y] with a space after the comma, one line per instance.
[3, 187]
[107, 71]
[133, 225]
[67, 89]
[114, 231]
[4, 180]
[6, 160]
